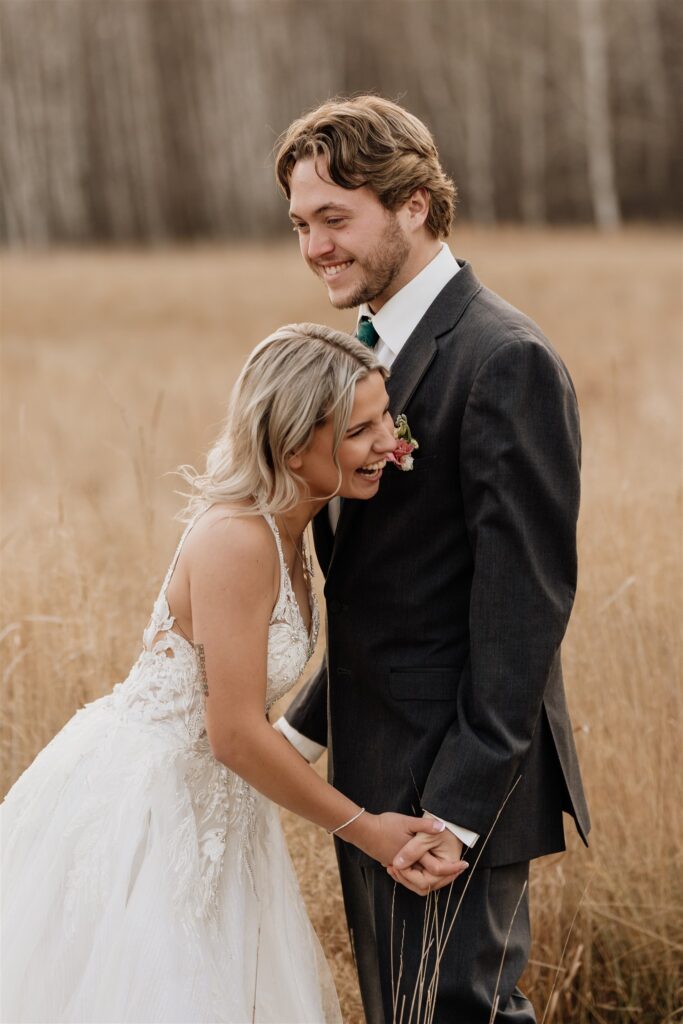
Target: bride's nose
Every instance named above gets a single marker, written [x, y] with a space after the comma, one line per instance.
[386, 442]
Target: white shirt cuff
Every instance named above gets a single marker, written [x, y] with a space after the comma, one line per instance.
[307, 748]
[465, 835]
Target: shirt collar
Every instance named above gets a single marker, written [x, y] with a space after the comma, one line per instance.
[398, 318]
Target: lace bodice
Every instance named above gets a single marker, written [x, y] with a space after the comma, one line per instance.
[164, 692]
[165, 684]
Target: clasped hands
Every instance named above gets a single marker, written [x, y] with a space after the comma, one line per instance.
[428, 861]
[419, 853]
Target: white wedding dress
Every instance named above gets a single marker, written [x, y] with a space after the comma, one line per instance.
[142, 880]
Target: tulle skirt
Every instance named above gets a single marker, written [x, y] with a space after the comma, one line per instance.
[130, 896]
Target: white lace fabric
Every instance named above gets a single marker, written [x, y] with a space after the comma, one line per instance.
[127, 835]
[170, 689]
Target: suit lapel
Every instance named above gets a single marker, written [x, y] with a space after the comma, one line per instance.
[407, 371]
[323, 538]
[410, 366]
[414, 359]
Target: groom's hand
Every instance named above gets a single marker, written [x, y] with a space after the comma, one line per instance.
[428, 862]
[383, 836]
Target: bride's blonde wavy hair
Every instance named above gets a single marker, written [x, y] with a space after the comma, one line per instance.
[292, 382]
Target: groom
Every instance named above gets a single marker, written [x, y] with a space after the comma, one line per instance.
[448, 594]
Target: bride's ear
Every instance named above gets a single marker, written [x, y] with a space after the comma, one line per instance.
[295, 461]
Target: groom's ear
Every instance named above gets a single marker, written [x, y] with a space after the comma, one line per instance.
[417, 208]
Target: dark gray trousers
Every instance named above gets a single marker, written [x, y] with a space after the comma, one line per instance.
[396, 935]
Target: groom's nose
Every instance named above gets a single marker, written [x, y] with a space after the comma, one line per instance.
[319, 242]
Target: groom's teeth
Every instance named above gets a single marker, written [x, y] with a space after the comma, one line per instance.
[336, 268]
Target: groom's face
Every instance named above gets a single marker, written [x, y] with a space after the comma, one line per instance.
[350, 241]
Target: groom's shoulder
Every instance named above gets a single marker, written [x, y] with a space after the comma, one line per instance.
[498, 322]
[490, 326]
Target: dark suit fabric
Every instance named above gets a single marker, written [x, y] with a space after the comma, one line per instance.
[397, 938]
[449, 593]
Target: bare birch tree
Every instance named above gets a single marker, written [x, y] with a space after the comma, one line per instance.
[477, 102]
[532, 109]
[598, 122]
[652, 70]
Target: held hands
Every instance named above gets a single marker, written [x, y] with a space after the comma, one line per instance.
[430, 856]
[428, 862]
[383, 836]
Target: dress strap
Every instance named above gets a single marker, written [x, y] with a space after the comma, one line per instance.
[270, 519]
[285, 591]
[176, 556]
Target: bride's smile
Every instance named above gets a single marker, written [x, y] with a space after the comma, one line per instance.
[362, 453]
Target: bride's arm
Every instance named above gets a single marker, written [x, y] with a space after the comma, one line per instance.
[234, 580]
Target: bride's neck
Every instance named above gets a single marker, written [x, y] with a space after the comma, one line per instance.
[297, 519]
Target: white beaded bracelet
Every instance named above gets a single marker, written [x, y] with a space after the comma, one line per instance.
[333, 831]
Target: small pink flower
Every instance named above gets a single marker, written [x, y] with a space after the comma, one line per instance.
[402, 449]
[402, 456]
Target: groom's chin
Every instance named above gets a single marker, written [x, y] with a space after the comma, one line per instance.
[345, 299]
[342, 301]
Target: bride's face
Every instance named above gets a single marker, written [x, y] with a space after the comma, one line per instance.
[362, 453]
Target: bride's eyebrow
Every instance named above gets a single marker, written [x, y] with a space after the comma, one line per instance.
[365, 423]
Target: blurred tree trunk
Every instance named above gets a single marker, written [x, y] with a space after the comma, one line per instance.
[651, 65]
[597, 113]
[476, 30]
[532, 111]
[124, 127]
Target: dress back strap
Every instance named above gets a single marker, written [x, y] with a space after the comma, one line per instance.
[176, 556]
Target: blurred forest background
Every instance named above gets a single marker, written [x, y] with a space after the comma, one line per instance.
[151, 120]
[133, 127]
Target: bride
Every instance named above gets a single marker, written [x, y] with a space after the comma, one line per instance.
[145, 874]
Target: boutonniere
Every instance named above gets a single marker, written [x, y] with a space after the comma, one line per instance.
[402, 456]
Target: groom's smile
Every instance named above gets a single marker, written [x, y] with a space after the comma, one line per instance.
[333, 269]
[357, 247]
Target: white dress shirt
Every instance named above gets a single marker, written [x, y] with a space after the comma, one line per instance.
[394, 323]
[398, 318]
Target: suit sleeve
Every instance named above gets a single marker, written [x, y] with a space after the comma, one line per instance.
[519, 470]
[308, 711]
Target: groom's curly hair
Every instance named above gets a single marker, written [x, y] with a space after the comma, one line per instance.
[367, 140]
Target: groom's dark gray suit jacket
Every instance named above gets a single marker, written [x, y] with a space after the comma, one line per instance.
[449, 593]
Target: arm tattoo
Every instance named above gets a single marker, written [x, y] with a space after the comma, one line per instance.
[199, 648]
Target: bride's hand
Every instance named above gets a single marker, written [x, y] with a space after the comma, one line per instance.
[381, 836]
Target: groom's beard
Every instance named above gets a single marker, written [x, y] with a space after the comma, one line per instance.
[379, 269]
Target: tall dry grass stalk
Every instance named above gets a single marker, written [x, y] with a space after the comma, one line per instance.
[116, 368]
[437, 926]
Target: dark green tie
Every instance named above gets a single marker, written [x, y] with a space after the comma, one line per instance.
[366, 333]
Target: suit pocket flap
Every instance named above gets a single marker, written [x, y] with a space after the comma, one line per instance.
[423, 683]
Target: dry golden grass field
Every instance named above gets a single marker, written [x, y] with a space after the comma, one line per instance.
[116, 367]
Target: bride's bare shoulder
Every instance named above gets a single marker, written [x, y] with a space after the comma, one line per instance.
[225, 535]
